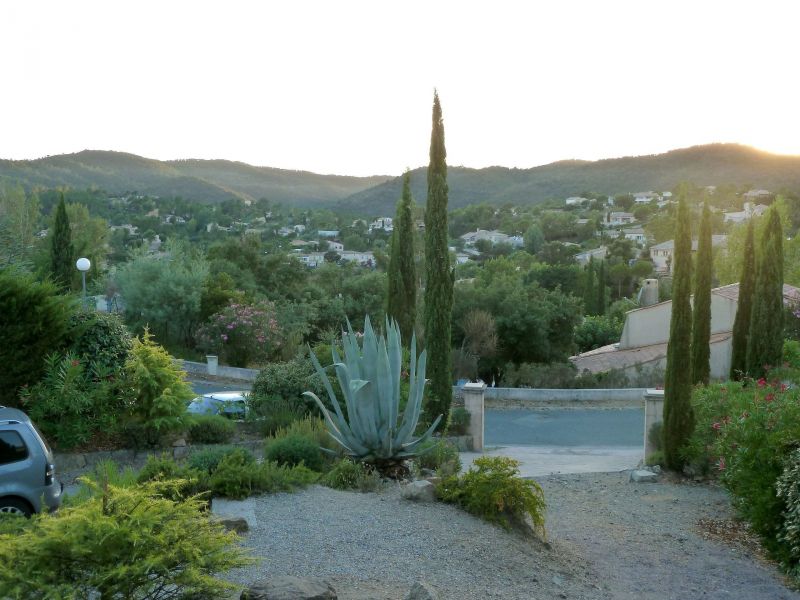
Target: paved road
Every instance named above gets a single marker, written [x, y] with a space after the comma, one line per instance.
[618, 428]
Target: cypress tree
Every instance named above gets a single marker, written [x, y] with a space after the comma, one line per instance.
[402, 292]
[744, 309]
[701, 313]
[438, 276]
[61, 251]
[600, 307]
[589, 293]
[678, 414]
[765, 343]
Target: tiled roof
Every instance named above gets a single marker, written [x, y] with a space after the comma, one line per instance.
[610, 357]
[791, 294]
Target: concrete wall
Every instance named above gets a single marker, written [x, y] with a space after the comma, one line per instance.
[225, 372]
[535, 395]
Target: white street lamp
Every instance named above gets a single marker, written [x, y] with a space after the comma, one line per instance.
[83, 265]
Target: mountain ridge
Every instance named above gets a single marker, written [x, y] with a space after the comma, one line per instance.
[218, 180]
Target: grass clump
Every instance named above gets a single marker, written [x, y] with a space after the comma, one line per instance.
[211, 429]
[348, 474]
[295, 449]
[493, 490]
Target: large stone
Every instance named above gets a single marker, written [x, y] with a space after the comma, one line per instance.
[422, 590]
[290, 588]
[70, 462]
[642, 476]
[179, 452]
[419, 491]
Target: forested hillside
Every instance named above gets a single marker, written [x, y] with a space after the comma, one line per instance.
[199, 180]
[703, 165]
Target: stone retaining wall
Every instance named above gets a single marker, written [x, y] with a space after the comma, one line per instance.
[68, 462]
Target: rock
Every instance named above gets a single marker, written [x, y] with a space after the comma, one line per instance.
[179, 443]
[179, 452]
[640, 476]
[422, 590]
[290, 588]
[419, 491]
[69, 462]
[237, 524]
[655, 469]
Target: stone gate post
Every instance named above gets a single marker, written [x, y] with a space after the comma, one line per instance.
[473, 402]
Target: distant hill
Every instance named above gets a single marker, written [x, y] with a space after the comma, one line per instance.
[704, 165]
[201, 180]
[219, 180]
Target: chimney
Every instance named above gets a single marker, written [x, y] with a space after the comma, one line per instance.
[648, 294]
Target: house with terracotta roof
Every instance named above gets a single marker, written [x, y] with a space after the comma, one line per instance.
[661, 254]
[643, 343]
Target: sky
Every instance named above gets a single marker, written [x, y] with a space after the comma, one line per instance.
[346, 87]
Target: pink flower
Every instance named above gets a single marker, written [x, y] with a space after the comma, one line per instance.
[716, 426]
[721, 463]
[769, 397]
[224, 337]
[783, 387]
[761, 382]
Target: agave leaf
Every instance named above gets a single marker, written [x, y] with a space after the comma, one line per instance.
[342, 436]
[424, 436]
[395, 348]
[414, 404]
[328, 388]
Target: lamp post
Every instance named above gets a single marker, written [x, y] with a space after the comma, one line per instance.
[83, 265]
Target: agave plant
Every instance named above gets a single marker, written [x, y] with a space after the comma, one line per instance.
[374, 430]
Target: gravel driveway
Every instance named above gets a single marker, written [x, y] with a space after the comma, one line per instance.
[608, 539]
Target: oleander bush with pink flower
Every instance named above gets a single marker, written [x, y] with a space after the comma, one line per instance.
[242, 334]
[746, 433]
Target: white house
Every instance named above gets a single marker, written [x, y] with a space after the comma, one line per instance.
[755, 195]
[335, 247]
[615, 219]
[575, 200]
[645, 197]
[597, 254]
[748, 213]
[636, 235]
[494, 236]
[643, 343]
[328, 233]
[299, 228]
[661, 254]
[382, 223]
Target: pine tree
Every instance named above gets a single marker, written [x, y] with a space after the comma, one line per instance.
[438, 276]
[744, 309]
[701, 313]
[61, 251]
[600, 307]
[765, 343]
[678, 414]
[589, 293]
[402, 292]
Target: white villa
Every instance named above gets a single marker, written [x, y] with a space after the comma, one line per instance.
[384, 223]
[636, 235]
[494, 236]
[748, 213]
[661, 254]
[646, 332]
[615, 219]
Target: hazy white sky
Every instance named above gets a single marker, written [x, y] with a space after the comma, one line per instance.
[346, 87]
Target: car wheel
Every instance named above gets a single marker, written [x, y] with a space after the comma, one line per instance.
[12, 506]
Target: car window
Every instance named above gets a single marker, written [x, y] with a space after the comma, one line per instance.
[12, 448]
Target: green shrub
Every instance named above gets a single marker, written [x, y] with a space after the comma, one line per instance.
[206, 460]
[287, 380]
[237, 478]
[746, 431]
[138, 435]
[294, 449]
[656, 435]
[121, 543]
[273, 413]
[596, 331]
[159, 391]
[102, 339]
[34, 319]
[210, 429]
[313, 428]
[185, 481]
[493, 490]
[348, 474]
[440, 456]
[791, 354]
[788, 490]
[72, 401]
[459, 421]
[655, 458]
[104, 473]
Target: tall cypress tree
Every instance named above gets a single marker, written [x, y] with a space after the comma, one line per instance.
[438, 276]
[61, 250]
[678, 414]
[588, 292]
[600, 307]
[744, 308]
[701, 313]
[402, 292]
[765, 343]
